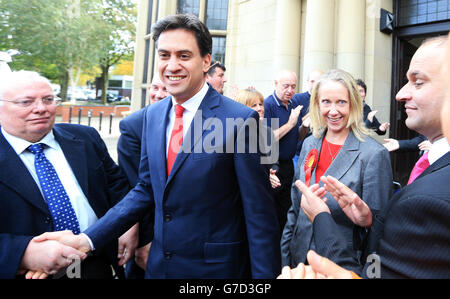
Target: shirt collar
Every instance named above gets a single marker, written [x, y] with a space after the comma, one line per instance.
[20, 145]
[438, 149]
[193, 103]
[278, 101]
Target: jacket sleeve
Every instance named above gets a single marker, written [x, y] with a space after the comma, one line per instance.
[259, 208]
[291, 222]
[331, 244]
[129, 152]
[411, 145]
[129, 210]
[12, 249]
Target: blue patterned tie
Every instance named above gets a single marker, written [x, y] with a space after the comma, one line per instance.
[58, 201]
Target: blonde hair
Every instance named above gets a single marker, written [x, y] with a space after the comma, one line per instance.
[355, 120]
[249, 97]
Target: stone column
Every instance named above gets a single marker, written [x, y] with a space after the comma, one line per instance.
[319, 36]
[350, 37]
[287, 35]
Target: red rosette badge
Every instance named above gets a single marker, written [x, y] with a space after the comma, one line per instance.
[310, 164]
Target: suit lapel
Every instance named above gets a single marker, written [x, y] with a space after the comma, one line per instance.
[192, 141]
[156, 132]
[317, 144]
[20, 180]
[345, 158]
[442, 162]
[75, 152]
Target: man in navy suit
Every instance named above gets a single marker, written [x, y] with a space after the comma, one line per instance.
[92, 182]
[411, 238]
[129, 156]
[213, 213]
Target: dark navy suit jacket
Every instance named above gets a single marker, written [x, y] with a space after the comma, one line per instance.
[23, 211]
[214, 215]
[129, 145]
[411, 237]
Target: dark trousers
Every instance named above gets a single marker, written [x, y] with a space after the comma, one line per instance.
[133, 271]
[93, 267]
[282, 194]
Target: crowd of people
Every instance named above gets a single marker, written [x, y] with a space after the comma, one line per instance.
[172, 208]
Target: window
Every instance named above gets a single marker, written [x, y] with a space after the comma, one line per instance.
[214, 13]
[217, 14]
[115, 83]
[218, 50]
[189, 7]
[413, 12]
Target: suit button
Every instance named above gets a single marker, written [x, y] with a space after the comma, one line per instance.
[167, 218]
[167, 255]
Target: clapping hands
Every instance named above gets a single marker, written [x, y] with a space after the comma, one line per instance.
[314, 201]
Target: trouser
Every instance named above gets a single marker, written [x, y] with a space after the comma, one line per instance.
[282, 194]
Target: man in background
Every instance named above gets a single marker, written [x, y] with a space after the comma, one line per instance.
[216, 76]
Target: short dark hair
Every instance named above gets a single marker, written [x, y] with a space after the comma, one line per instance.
[214, 65]
[361, 83]
[187, 22]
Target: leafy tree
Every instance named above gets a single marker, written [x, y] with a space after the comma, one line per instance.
[59, 36]
[121, 15]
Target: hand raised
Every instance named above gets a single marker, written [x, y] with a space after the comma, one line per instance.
[313, 201]
[351, 204]
[425, 145]
[293, 117]
[391, 144]
[274, 180]
[371, 115]
[384, 126]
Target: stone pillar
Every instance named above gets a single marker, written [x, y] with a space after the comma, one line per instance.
[350, 40]
[166, 8]
[139, 57]
[319, 36]
[287, 35]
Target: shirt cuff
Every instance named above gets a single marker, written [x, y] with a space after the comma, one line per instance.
[89, 241]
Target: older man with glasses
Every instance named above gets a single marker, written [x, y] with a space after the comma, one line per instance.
[52, 178]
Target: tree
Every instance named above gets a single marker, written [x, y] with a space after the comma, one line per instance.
[64, 34]
[121, 16]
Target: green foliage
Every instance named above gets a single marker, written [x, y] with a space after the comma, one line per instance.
[57, 37]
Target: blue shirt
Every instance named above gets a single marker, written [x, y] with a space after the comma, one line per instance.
[274, 109]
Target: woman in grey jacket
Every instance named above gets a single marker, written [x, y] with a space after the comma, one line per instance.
[340, 147]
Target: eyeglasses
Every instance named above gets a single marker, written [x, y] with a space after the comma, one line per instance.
[25, 103]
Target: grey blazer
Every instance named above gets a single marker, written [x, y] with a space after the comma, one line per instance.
[364, 167]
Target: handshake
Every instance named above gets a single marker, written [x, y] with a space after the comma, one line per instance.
[51, 252]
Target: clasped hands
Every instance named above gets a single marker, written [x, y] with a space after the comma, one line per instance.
[50, 252]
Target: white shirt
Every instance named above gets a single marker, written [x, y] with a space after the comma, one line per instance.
[438, 149]
[84, 212]
[191, 107]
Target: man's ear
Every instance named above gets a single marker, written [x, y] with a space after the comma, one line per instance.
[206, 63]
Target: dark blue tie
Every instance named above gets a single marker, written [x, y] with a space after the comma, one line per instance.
[58, 201]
